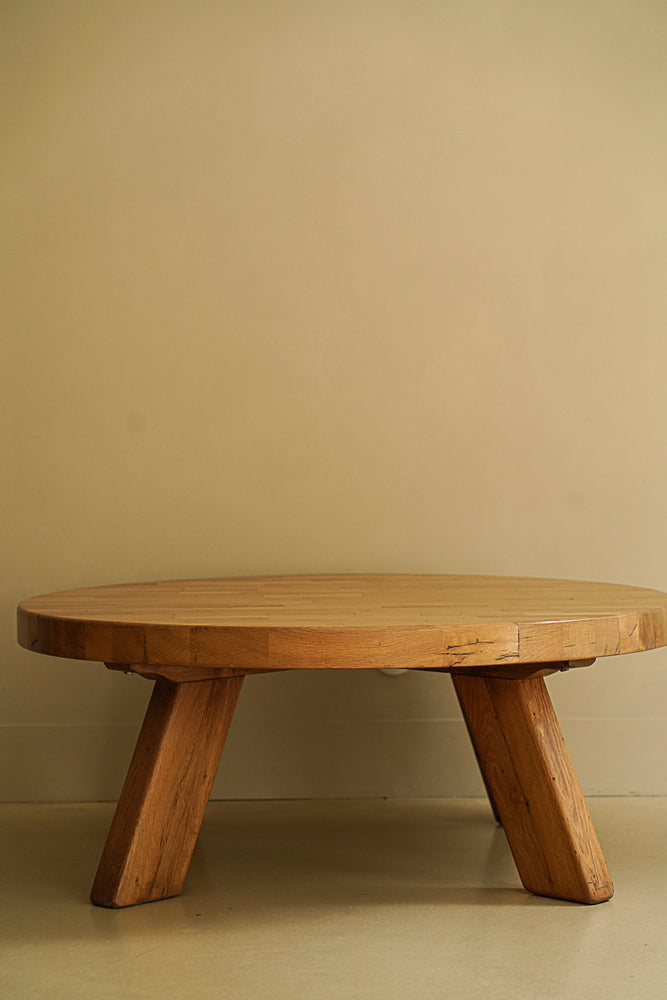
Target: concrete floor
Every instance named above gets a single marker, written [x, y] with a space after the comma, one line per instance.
[344, 899]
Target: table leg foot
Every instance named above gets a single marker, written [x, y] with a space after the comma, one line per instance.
[161, 807]
[533, 786]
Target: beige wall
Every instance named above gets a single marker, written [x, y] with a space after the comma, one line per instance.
[330, 286]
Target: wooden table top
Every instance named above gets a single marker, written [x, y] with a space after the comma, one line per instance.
[345, 621]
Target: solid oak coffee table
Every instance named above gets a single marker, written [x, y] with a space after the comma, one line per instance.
[498, 637]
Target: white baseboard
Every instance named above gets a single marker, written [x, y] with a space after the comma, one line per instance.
[354, 758]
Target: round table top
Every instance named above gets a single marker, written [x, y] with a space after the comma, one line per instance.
[345, 621]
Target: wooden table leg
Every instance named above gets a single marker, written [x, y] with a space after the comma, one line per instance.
[533, 785]
[161, 807]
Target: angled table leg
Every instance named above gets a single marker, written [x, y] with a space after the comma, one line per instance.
[161, 807]
[533, 786]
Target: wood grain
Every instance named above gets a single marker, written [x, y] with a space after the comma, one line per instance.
[533, 787]
[345, 621]
[161, 807]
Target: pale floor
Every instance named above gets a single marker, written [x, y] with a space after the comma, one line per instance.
[344, 899]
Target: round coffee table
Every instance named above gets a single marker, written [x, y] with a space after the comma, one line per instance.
[497, 636]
